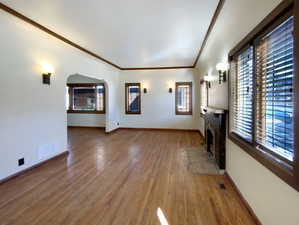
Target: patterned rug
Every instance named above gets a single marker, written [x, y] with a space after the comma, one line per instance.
[200, 161]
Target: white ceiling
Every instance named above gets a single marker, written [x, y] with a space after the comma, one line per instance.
[129, 33]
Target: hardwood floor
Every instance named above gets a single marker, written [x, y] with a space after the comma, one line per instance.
[121, 179]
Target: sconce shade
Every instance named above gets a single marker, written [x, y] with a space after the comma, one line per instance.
[209, 78]
[222, 67]
[47, 68]
[144, 90]
[170, 90]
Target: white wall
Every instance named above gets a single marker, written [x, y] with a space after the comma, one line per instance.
[33, 116]
[158, 105]
[86, 120]
[274, 202]
[82, 119]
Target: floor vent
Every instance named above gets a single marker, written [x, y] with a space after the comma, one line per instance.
[222, 186]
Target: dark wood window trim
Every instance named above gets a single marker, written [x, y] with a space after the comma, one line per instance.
[127, 85]
[71, 110]
[289, 172]
[177, 112]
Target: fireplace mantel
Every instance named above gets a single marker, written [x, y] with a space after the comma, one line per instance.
[214, 110]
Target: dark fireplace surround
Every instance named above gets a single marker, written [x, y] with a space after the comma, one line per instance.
[215, 133]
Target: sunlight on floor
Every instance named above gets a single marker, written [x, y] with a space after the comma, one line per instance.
[161, 217]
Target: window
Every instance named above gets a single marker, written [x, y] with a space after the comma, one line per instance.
[275, 73]
[183, 98]
[133, 98]
[263, 93]
[86, 98]
[204, 93]
[242, 93]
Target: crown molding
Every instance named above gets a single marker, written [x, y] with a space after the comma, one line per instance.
[158, 68]
[62, 38]
[213, 22]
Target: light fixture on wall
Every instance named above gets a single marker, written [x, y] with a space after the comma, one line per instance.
[47, 71]
[144, 86]
[208, 79]
[222, 69]
[170, 85]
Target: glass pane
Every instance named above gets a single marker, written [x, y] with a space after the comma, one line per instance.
[67, 98]
[242, 94]
[84, 98]
[183, 98]
[133, 98]
[100, 97]
[204, 94]
[275, 90]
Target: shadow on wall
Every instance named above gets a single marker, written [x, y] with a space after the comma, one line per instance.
[88, 118]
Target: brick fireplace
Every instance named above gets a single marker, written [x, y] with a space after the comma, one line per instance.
[215, 133]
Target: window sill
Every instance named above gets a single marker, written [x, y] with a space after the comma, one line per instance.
[184, 113]
[85, 112]
[281, 169]
[133, 113]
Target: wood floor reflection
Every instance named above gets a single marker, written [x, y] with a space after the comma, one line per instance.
[130, 177]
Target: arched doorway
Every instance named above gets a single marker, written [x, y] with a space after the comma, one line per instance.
[86, 101]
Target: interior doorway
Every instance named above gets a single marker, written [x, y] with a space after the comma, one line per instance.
[86, 101]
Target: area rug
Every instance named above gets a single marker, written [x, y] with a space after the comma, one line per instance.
[200, 161]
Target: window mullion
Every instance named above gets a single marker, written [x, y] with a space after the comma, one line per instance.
[96, 98]
[71, 98]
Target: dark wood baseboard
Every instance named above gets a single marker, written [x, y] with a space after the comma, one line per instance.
[157, 129]
[145, 129]
[63, 154]
[86, 127]
[244, 201]
[112, 131]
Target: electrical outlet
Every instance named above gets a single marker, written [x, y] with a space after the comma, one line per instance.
[21, 161]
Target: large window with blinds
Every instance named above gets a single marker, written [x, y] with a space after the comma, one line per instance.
[263, 88]
[274, 90]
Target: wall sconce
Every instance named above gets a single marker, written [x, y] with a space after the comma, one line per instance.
[208, 79]
[144, 87]
[47, 71]
[170, 85]
[222, 69]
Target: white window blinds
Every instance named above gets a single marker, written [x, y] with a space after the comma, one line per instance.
[274, 93]
[242, 76]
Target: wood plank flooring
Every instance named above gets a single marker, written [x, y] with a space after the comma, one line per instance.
[121, 179]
